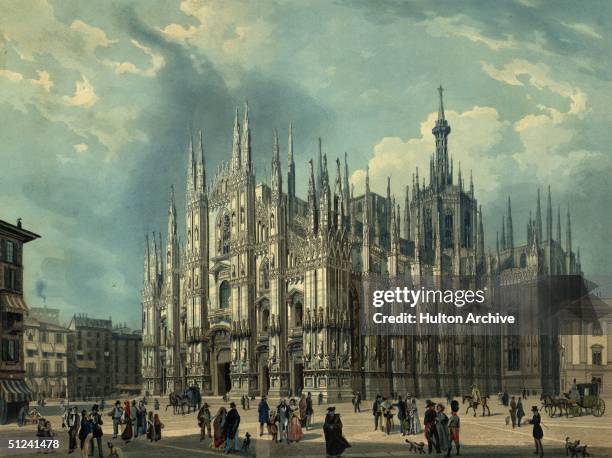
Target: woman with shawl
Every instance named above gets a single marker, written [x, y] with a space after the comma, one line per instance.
[150, 427]
[127, 433]
[335, 442]
[294, 433]
[442, 428]
[157, 426]
[303, 405]
[218, 432]
[415, 423]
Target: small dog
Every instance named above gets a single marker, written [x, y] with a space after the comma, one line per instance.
[575, 448]
[246, 442]
[417, 447]
[114, 452]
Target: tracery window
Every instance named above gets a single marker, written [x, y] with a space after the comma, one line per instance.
[224, 295]
[264, 275]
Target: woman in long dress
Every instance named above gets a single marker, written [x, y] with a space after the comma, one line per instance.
[218, 433]
[442, 428]
[295, 433]
[415, 423]
[303, 411]
[127, 433]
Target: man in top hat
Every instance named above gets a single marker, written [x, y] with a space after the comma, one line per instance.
[538, 433]
[96, 420]
[454, 426]
[431, 433]
[116, 415]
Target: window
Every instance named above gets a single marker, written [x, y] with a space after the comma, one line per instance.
[297, 308]
[43, 336]
[59, 337]
[467, 227]
[31, 353]
[264, 278]
[30, 336]
[9, 254]
[225, 234]
[597, 330]
[45, 368]
[12, 279]
[224, 295]
[448, 231]
[30, 368]
[10, 350]
[59, 367]
[514, 353]
[596, 355]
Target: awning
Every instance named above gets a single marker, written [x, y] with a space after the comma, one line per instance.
[47, 347]
[85, 364]
[13, 303]
[31, 346]
[15, 391]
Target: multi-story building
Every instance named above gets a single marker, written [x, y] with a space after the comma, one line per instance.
[89, 358]
[264, 296]
[46, 349]
[126, 357]
[14, 392]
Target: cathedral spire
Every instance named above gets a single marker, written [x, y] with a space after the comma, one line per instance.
[320, 168]
[441, 168]
[503, 234]
[559, 225]
[236, 144]
[291, 174]
[346, 188]
[549, 217]
[312, 200]
[172, 216]
[366, 209]
[277, 180]
[201, 167]
[441, 106]
[407, 214]
[147, 262]
[191, 177]
[538, 219]
[246, 140]
[510, 232]
[339, 195]
[568, 235]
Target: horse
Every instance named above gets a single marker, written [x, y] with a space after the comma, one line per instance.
[474, 404]
[551, 405]
[193, 397]
[177, 401]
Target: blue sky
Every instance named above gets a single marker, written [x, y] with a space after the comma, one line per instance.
[97, 100]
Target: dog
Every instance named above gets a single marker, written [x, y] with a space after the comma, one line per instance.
[246, 442]
[417, 447]
[114, 451]
[575, 449]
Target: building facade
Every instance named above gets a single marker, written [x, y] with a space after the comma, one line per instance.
[90, 366]
[126, 356]
[46, 354]
[265, 293]
[14, 392]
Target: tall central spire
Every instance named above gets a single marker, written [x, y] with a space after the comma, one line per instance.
[441, 173]
[441, 107]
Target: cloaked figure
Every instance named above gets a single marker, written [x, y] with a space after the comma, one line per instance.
[335, 442]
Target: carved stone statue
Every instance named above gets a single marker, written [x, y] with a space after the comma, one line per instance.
[244, 354]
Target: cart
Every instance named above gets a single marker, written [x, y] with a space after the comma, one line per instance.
[588, 401]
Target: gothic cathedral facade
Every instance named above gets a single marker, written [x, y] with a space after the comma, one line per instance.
[263, 296]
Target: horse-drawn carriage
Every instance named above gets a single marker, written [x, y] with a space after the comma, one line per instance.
[190, 399]
[588, 401]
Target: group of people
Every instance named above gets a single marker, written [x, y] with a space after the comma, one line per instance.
[86, 427]
[286, 422]
[383, 411]
[135, 421]
[441, 432]
[221, 429]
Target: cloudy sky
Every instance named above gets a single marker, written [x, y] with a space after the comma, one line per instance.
[97, 100]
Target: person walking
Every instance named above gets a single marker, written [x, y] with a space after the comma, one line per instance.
[357, 405]
[128, 431]
[386, 408]
[135, 417]
[431, 433]
[150, 427]
[116, 415]
[376, 410]
[454, 425]
[303, 405]
[218, 431]
[85, 434]
[309, 410]
[283, 420]
[263, 414]
[321, 398]
[335, 442]
[294, 433]
[513, 411]
[243, 402]
[73, 423]
[204, 417]
[157, 426]
[21, 416]
[232, 422]
[538, 433]
[96, 420]
[520, 412]
[401, 414]
[442, 428]
[524, 393]
[415, 422]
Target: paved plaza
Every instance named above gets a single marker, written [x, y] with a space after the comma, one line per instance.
[480, 436]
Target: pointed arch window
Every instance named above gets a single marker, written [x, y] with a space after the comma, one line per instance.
[264, 275]
[224, 234]
[224, 295]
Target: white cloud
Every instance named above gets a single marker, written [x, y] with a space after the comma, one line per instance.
[582, 28]
[178, 32]
[539, 77]
[15, 77]
[157, 63]
[474, 133]
[84, 95]
[438, 26]
[93, 36]
[81, 147]
[44, 80]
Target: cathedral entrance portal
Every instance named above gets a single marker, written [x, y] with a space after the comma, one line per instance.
[297, 383]
[224, 381]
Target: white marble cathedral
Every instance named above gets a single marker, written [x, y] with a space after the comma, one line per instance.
[264, 294]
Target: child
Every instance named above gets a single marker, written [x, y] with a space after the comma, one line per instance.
[272, 426]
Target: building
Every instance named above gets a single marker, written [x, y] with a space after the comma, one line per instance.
[90, 365]
[46, 350]
[264, 296]
[14, 392]
[126, 357]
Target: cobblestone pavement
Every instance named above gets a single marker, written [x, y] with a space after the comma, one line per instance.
[480, 436]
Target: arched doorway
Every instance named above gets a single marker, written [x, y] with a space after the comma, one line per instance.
[224, 382]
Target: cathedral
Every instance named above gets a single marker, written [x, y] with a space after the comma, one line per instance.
[262, 294]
